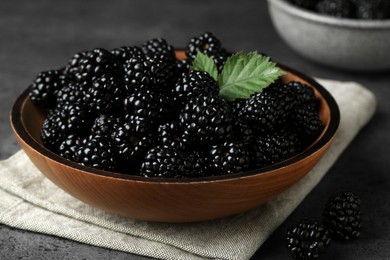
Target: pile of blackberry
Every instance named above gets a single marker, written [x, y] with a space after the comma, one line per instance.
[139, 110]
[355, 9]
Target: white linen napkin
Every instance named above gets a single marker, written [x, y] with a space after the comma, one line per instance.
[30, 201]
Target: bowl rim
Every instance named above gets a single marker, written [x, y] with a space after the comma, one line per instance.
[292, 9]
[330, 131]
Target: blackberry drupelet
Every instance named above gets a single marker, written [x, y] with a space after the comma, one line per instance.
[338, 8]
[262, 111]
[166, 162]
[307, 239]
[97, 153]
[342, 216]
[276, 147]
[206, 120]
[229, 157]
[194, 84]
[44, 88]
[105, 94]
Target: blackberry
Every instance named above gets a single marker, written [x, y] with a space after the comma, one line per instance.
[159, 46]
[105, 94]
[94, 64]
[287, 98]
[273, 148]
[44, 88]
[51, 133]
[342, 216]
[71, 94]
[201, 164]
[338, 8]
[307, 239]
[147, 104]
[97, 153]
[208, 44]
[104, 125]
[206, 119]
[303, 93]
[69, 146]
[166, 162]
[138, 74]
[307, 122]
[125, 53]
[229, 157]
[73, 66]
[262, 111]
[194, 84]
[162, 71]
[131, 146]
[171, 135]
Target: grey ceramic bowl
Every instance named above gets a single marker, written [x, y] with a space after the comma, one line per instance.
[352, 44]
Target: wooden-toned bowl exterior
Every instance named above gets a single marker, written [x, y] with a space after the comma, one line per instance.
[172, 200]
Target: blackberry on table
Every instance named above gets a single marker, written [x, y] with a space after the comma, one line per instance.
[194, 84]
[307, 239]
[166, 162]
[342, 215]
[44, 88]
[229, 157]
[206, 119]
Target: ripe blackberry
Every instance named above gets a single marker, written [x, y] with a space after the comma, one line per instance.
[44, 88]
[159, 46]
[201, 164]
[73, 66]
[104, 125]
[208, 44]
[171, 135]
[307, 239]
[262, 111]
[94, 64]
[131, 146]
[229, 157]
[206, 119]
[342, 216]
[51, 133]
[166, 162]
[125, 53]
[276, 147]
[71, 94]
[97, 153]
[338, 8]
[105, 94]
[138, 74]
[194, 84]
[70, 146]
[149, 105]
[162, 71]
[287, 98]
[307, 121]
[303, 93]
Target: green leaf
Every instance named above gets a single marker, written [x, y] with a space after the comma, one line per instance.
[203, 62]
[245, 74]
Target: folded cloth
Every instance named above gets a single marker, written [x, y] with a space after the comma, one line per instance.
[30, 201]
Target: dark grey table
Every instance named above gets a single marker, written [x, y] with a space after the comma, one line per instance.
[39, 35]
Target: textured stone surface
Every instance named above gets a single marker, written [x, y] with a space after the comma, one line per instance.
[39, 35]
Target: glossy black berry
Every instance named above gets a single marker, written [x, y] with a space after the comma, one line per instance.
[44, 88]
[70, 146]
[125, 53]
[342, 215]
[166, 162]
[171, 135]
[160, 47]
[307, 239]
[138, 74]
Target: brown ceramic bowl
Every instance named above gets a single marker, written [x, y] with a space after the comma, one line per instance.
[172, 200]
